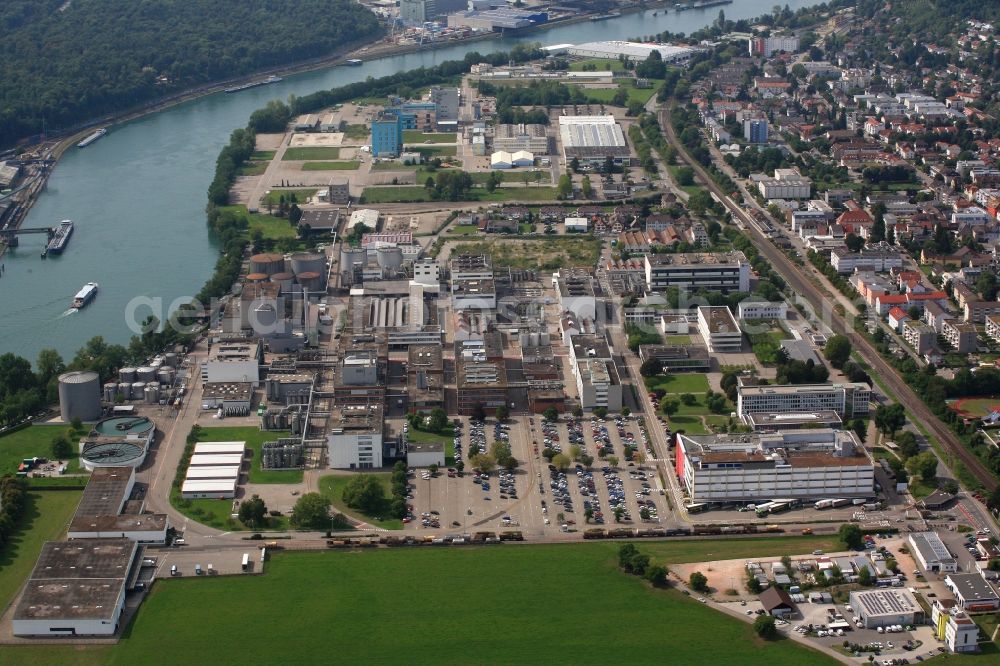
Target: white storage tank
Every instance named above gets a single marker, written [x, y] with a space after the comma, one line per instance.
[145, 374]
[165, 376]
[152, 393]
[110, 390]
[170, 358]
[389, 258]
[308, 262]
[80, 395]
[126, 375]
[138, 390]
[125, 388]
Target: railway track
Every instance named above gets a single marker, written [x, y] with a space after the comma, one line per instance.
[800, 284]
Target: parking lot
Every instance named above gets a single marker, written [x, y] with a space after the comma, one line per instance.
[226, 560]
[537, 498]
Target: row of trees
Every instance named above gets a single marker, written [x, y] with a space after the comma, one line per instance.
[13, 501]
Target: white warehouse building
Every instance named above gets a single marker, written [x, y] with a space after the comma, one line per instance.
[355, 440]
[849, 399]
[799, 464]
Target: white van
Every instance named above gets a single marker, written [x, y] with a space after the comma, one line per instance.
[197, 570]
[173, 570]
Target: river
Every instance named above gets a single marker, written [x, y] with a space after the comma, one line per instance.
[138, 195]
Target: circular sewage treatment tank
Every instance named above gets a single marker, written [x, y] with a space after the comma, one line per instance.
[121, 450]
[121, 426]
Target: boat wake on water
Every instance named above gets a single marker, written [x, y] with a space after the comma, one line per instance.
[68, 313]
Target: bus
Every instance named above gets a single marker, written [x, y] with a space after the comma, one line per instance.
[246, 561]
[696, 508]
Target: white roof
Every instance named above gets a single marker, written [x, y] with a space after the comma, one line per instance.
[213, 472]
[576, 221]
[203, 459]
[523, 155]
[634, 50]
[209, 486]
[365, 216]
[501, 157]
[220, 447]
[590, 131]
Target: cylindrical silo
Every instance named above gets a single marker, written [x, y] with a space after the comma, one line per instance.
[390, 258]
[256, 277]
[126, 375]
[285, 280]
[308, 262]
[125, 389]
[267, 263]
[138, 390]
[80, 395]
[170, 358]
[165, 376]
[152, 393]
[145, 374]
[310, 281]
[110, 389]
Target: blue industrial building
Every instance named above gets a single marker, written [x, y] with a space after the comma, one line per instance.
[387, 135]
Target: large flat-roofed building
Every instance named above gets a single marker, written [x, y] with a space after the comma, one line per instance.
[360, 378]
[593, 139]
[719, 329]
[883, 608]
[635, 51]
[727, 271]
[812, 463]
[230, 362]
[77, 588]
[473, 294]
[786, 184]
[598, 384]
[387, 135]
[355, 438]
[470, 267]
[850, 399]
[481, 374]
[139, 527]
[762, 310]
[773, 422]
[953, 626]
[972, 592]
[530, 137]
[104, 510]
[931, 552]
[424, 377]
[676, 358]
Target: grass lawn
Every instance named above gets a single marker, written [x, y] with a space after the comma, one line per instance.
[392, 165]
[302, 195]
[330, 166]
[416, 136]
[605, 95]
[356, 132]
[598, 65]
[405, 193]
[447, 437]
[255, 439]
[463, 229]
[987, 623]
[311, 153]
[35, 441]
[46, 517]
[692, 425]
[688, 382]
[333, 487]
[766, 345]
[253, 169]
[310, 601]
[682, 340]
[431, 151]
[274, 228]
[690, 189]
[262, 155]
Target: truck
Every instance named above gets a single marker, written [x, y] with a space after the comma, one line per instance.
[823, 504]
[840, 502]
[764, 509]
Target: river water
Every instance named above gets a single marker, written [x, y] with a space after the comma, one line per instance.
[138, 195]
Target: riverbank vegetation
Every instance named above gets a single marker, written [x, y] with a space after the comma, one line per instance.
[63, 63]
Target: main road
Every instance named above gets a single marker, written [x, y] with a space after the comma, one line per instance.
[803, 286]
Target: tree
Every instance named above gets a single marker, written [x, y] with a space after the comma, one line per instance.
[575, 452]
[587, 187]
[993, 501]
[601, 412]
[698, 582]
[657, 575]
[61, 448]
[479, 412]
[987, 286]
[837, 350]
[564, 190]
[484, 462]
[438, 420]
[850, 535]
[669, 405]
[433, 468]
[860, 429]
[253, 512]
[587, 461]
[650, 367]
[688, 399]
[854, 243]
[561, 461]
[890, 418]
[625, 554]
[753, 585]
[613, 461]
[552, 414]
[574, 164]
[311, 511]
[907, 443]
[364, 492]
[502, 413]
[865, 577]
[626, 412]
[923, 465]
[685, 176]
[765, 627]
[577, 411]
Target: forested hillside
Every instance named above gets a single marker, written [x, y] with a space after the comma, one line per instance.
[65, 61]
